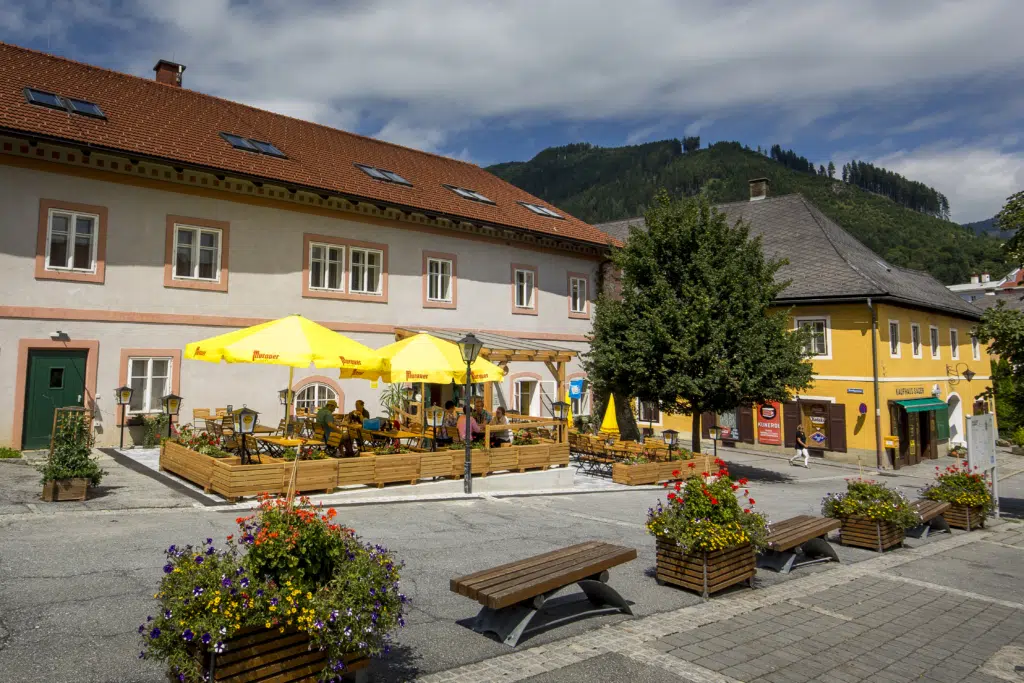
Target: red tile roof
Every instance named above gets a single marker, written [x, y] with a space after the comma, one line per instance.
[152, 119]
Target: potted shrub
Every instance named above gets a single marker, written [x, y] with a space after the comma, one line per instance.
[70, 469]
[293, 583]
[872, 515]
[707, 540]
[966, 492]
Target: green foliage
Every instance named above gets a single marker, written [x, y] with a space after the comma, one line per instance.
[704, 514]
[390, 450]
[694, 330]
[1002, 329]
[289, 455]
[200, 442]
[524, 437]
[300, 572]
[1011, 218]
[72, 451]
[154, 426]
[1018, 437]
[6, 453]
[603, 184]
[870, 499]
[959, 486]
[392, 400]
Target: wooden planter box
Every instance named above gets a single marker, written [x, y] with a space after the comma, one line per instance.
[502, 459]
[389, 468]
[534, 457]
[236, 481]
[558, 454]
[963, 517]
[313, 475]
[65, 489]
[437, 464]
[480, 461]
[352, 471]
[702, 572]
[868, 533]
[258, 654]
[650, 472]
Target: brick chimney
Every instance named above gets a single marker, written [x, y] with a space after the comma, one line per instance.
[169, 72]
[985, 277]
[758, 189]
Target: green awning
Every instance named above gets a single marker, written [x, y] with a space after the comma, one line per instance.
[920, 405]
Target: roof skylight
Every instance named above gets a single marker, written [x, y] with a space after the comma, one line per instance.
[250, 145]
[381, 174]
[541, 210]
[69, 104]
[469, 194]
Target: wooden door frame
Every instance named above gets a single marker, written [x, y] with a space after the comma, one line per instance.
[92, 349]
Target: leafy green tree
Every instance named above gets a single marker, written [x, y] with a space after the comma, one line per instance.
[1011, 217]
[694, 329]
[1002, 329]
[831, 170]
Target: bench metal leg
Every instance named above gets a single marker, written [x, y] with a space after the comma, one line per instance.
[511, 623]
[815, 550]
[819, 550]
[782, 562]
[937, 524]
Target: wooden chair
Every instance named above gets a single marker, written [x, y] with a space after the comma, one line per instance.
[931, 513]
[805, 533]
[512, 594]
[200, 414]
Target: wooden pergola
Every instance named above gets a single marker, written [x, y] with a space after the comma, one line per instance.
[501, 349]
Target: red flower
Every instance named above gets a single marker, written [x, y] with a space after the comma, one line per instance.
[671, 496]
[714, 501]
[675, 473]
[751, 500]
[742, 481]
[735, 487]
[230, 536]
[692, 465]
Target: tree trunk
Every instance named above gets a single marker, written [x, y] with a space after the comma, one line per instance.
[695, 432]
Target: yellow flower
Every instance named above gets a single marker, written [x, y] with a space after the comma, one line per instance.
[273, 608]
[267, 624]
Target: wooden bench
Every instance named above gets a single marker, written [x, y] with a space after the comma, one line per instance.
[805, 533]
[930, 512]
[512, 594]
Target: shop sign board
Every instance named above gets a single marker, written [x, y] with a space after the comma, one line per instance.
[727, 423]
[981, 450]
[910, 391]
[769, 424]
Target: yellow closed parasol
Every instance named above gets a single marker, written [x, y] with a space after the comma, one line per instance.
[610, 424]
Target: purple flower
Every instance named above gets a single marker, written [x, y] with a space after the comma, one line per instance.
[155, 633]
[219, 647]
[244, 582]
[259, 593]
[209, 541]
[172, 549]
[142, 655]
[319, 624]
[168, 568]
[188, 635]
[199, 559]
[225, 581]
[167, 614]
[401, 621]
[273, 601]
[197, 591]
[181, 677]
[142, 628]
[334, 615]
[206, 639]
[149, 618]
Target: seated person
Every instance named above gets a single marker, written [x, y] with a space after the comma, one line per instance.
[500, 436]
[325, 418]
[448, 420]
[479, 413]
[354, 422]
[474, 428]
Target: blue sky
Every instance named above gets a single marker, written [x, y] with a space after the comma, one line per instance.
[934, 91]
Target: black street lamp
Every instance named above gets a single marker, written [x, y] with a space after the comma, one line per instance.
[245, 424]
[124, 397]
[469, 347]
[171, 404]
[670, 436]
[560, 411]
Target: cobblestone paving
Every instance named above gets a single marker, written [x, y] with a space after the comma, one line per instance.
[852, 623]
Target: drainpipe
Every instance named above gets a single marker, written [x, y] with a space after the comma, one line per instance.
[874, 377]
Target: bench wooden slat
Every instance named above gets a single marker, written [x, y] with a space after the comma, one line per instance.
[616, 555]
[928, 510]
[794, 531]
[525, 576]
[457, 585]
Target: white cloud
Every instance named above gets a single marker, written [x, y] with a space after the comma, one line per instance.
[976, 179]
[436, 66]
[695, 127]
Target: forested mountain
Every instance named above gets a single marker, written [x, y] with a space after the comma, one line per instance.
[988, 227]
[602, 184]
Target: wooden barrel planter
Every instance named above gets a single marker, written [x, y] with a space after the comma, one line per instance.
[963, 517]
[705, 572]
[65, 489]
[257, 654]
[869, 533]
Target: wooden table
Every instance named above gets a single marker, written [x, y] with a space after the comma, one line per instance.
[276, 445]
[378, 437]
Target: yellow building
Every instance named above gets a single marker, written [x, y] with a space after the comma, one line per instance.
[893, 349]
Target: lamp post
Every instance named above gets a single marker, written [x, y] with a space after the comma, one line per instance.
[124, 397]
[470, 347]
[245, 424]
[670, 436]
[171, 404]
[560, 411]
[715, 432]
[436, 418]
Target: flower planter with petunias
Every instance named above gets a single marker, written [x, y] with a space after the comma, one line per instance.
[872, 515]
[293, 596]
[706, 540]
[967, 493]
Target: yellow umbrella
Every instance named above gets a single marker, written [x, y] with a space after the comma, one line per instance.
[568, 411]
[428, 359]
[293, 341]
[610, 425]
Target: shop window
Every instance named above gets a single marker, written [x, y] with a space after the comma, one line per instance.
[819, 333]
[894, 339]
[933, 338]
[313, 397]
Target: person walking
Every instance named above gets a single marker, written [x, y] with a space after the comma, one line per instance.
[801, 447]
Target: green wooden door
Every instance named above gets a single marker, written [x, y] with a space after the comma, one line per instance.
[56, 379]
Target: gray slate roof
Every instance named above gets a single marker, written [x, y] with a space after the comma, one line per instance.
[825, 261]
[1014, 299]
